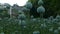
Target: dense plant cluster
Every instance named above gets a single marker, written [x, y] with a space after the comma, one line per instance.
[34, 26]
[21, 22]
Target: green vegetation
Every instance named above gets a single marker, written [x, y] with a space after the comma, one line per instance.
[36, 17]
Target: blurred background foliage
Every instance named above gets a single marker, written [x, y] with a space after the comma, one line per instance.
[52, 8]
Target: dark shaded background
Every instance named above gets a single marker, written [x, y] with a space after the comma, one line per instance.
[52, 7]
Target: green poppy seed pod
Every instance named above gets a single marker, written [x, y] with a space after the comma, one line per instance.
[28, 5]
[32, 17]
[55, 20]
[51, 29]
[22, 17]
[23, 23]
[51, 18]
[36, 32]
[41, 9]
[34, 20]
[58, 17]
[40, 2]
[43, 25]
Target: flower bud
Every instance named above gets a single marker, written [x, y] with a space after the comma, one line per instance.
[28, 5]
[41, 9]
[40, 2]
